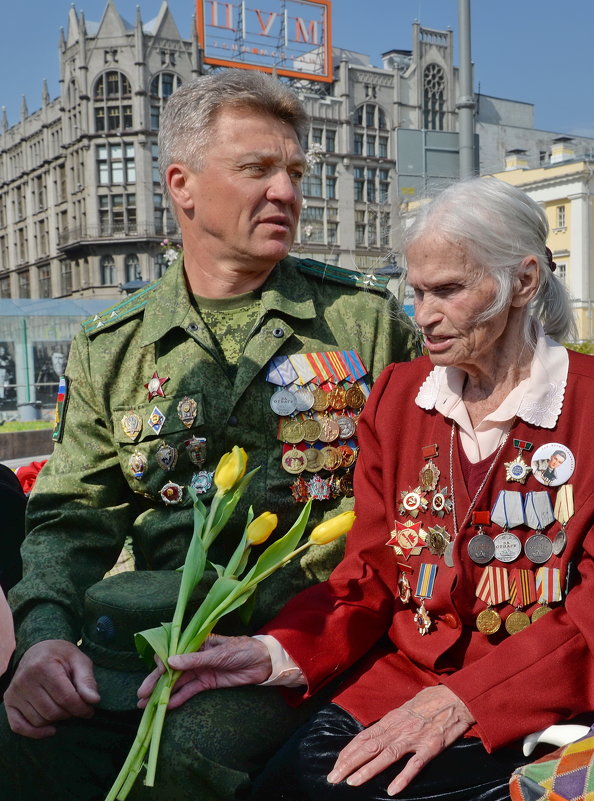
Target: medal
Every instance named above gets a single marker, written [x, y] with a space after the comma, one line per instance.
[156, 420]
[413, 502]
[321, 402]
[429, 474]
[304, 399]
[346, 485]
[171, 493]
[437, 540]
[493, 589]
[155, 386]
[186, 411]
[292, 432]
[508, 510]
[564, 510]
[132, 425]
[441, 503]
[137, 464]
[552, 464]
[293, 461]
[329, 430]
[282, 402]
[299, 490]
[314, 460]
[202, 481]
[488, 621]
[196, 449]
[407, 538]
[166, 456]
[425, 584]
[516, 621]
[348, 455]
[522, 592]
[540, 611]
[518, 470]
[404, 588]
[538, 548]
[319, 488]
[355, 398]
[538, 510]
[311, 430]
[346, 426]
[507, 547]
[331, 458]
[337, 398]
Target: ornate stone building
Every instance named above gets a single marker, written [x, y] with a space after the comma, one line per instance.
[81, 208]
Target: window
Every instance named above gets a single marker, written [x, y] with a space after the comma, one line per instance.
[360, 227]
[107, 270]
[358, 144]
[44, 281]
[433, 98]
[561, 222]
[117, 214]
[370, 145]
[371, 117]
[132, 268]
[332, 233]
[371, 193]
[330, 141]
[113, 102]
[24, 284]
[115, 164]
[316, 136]
[42, 238]
[22, 247]
[312, 224]
[66, 278]
[383, 147]
[160, 265]
[155, 163]
[5, 287]
[561, 273]
[359, 178]
[312, 181]
[162, 86]
[4, 262]
[331, 181]
[384, 186]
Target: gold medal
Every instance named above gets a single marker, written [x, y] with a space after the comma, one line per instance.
[422, 619]
[337, 398]
[311, 429]
[488, 621]
[542, 610]
[516, 622]
[329, 430]
[314, 460]
[437, 540]
[321, 402]
[429, 476]
[354, 397]
[292, 432]
[332, 458]
[293, 461]
[346, 485]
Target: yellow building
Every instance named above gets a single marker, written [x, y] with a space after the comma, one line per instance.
[564, 187]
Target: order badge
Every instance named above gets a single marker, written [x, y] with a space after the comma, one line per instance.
[552, 464]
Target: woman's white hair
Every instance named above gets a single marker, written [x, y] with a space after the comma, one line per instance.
[499, 226]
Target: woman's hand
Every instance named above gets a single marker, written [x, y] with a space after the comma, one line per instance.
[221, 662]
[423, 727]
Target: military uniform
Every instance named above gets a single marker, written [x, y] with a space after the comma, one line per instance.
[102, 484]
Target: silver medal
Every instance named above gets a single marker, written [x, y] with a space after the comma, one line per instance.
[283, 402]
[538, 548]
[481, 549]
[507, 547]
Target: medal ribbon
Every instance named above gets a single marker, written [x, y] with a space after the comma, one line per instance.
[522, 587]
[493, 588]
[564, 507]
[280, 371]
[354, 364]
[508, 511]
[335, 363]
[302, 367]
[539, 512]
[317, 365]
[548, 584]
[426, 580]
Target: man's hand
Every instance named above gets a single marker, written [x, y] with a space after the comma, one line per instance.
[423, 727]
[221, 662]
[54, 681]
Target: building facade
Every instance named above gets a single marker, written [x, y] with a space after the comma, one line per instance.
[82, 211]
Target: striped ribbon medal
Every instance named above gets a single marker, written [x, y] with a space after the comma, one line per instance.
[522, 592]
[548, 590]
[425, 584]
[493, 589]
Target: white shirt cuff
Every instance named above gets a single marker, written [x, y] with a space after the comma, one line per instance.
[285, 672]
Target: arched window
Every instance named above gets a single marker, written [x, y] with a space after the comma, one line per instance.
[162, 86]
[112, 102]
[132, 267]
[108, 270]
[433, 97]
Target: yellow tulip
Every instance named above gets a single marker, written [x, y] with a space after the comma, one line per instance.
[261, 528]
[332, 529]
[230, 469]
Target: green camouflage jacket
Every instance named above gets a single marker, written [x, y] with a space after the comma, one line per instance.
[87, 498]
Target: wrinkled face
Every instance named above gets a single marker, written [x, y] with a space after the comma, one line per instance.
[450, 292]
[247, 198]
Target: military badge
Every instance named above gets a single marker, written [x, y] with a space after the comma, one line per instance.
[60, 411]
[186, 411]
[171, 493]
[131, 425]
[155, 386]
[166, 456]
[202, 481]
[196, 448]
[156, 420]
[137, 464]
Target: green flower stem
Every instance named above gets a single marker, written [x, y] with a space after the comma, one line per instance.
[157, 725]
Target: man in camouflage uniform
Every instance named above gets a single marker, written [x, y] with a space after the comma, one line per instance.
[159, 387]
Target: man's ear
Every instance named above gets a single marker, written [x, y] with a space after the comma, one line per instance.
[178, 179]
[526, 282]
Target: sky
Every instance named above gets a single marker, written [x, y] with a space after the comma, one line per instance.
[536, 51]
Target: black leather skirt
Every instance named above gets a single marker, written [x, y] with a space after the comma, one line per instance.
[463, 772]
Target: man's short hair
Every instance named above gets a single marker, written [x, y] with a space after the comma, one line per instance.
[188, 118]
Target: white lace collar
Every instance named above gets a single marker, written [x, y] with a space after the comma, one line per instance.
[537, 400]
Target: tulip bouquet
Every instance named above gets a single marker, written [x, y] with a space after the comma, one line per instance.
[231, 589]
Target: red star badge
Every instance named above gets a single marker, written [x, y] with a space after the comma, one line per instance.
[407, 538]
[155, 386]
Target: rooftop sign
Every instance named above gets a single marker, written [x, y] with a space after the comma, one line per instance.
[290, 37]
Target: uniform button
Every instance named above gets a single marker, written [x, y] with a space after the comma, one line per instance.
[278, 332]
[450, 620]
[233, 421]
[193, 327]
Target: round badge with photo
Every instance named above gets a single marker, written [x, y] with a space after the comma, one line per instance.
[552, 464]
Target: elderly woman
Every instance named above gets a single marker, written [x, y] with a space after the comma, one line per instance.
[461, 618]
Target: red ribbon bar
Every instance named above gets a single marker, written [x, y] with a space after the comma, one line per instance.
[481, 518]
[523, 444]
[429, 451]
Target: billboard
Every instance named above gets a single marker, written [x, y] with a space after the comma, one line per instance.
[289, 37]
